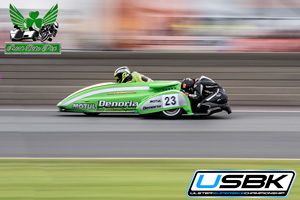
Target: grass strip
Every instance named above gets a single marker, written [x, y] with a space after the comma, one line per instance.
[112, 179]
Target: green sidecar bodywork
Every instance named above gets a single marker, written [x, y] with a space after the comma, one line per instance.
[162, 97]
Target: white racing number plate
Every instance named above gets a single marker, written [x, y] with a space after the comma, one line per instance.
[170, 100]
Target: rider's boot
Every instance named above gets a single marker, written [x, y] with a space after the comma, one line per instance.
[226, 107]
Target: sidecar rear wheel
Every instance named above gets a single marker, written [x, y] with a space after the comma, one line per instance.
[172, 114]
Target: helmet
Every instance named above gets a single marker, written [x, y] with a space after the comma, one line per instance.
[56, 25]
[122, 74]
[187, 85]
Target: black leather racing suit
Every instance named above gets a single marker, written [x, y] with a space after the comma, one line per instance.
[208, 94]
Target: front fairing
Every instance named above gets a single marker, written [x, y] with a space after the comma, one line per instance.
[106, 97]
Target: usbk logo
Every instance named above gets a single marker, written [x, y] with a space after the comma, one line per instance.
[241, 183]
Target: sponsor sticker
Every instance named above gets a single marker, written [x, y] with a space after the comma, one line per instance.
[84, 106]
[121, 104]
[123, 92]
[241, 183]
[152, 107]
[155, 101]
[116, 109]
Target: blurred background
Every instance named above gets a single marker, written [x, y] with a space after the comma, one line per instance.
[250, 47]
[202, 25]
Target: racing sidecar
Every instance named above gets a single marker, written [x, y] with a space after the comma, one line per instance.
[162, 97]
[17, 34]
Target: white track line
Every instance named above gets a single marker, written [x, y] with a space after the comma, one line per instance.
[52, 158]
[238, 111]
[30, 110]
[270, 111]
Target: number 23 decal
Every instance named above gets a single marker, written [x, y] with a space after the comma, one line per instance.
[170, 100]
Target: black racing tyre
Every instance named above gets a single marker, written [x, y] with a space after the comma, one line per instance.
[172, 114]
[91, 114]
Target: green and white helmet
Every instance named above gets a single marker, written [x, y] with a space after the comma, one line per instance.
[122, 74]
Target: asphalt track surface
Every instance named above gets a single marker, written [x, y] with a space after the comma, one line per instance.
[44, 132]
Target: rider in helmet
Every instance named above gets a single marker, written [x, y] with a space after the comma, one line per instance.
[123, 75]
[54, 28]
[205, 93]
[187, 85]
